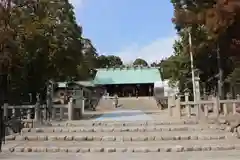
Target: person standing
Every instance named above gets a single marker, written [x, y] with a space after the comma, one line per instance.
[150, 91]
[136, 92]
[115, 100]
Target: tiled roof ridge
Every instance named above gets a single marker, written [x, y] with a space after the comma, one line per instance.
[127, 68]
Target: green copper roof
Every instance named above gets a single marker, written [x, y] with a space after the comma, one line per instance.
[133, 75]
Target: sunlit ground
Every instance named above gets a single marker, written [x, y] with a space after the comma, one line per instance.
[124, 115]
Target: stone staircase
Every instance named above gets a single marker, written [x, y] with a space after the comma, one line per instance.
[122, 138]
[141, 103]
[132, 103]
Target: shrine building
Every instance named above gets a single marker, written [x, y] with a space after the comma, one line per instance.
[128, 81]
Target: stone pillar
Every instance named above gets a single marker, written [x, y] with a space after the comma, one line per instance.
[78, 108]
[238, 96]
[45, 112]
[5, 110]
[70, 109]
[205, 110]
[13, 113]
[49, 99]
[187, 106]
[37, 113]
[171, 102]
[225, 112]
[229, 95]
[235, 104]
[226, 105]
[216, 106]
[82, 103]
[29, 114]
[81, 92]
[61, 113]
[83, 106]
[229, 108]
[198, 97]
[53, 113]
[177, 108]
[197, 87]
[37, 109]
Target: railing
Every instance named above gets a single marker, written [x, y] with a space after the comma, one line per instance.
[26, 116]
[203, 108]
[31, 114]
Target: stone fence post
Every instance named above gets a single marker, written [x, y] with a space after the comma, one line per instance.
[187, 107]
[226, 105]
[238, 96]
[70, 109]
[13, 112]
[61, 113]
[171, 103]
[29, 113]
[83, 106]
[5, 110]
[80, 103]
[235, 104]
[54, 112]
[178, 107]
[37, 109]
[216, 106]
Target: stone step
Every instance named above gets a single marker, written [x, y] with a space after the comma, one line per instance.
[127, 123]
[124, 128]
[211, 155]
[121, 136]
[85, 147]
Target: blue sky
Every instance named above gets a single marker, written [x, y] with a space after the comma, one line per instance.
[128, 28]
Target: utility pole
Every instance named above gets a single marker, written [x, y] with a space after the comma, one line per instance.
[220, 74]
[192, 67]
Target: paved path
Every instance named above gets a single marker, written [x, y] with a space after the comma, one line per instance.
[223, 155]
[124, 115]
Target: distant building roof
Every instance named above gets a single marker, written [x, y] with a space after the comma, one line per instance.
[62, 84]
[86, 83]
[80, 83]
[127, 75]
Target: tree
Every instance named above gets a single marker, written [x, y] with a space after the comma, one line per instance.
[89, 60]
[154, 64]
[219, 19]
[103, 61]
[45, 43]
[114, 61]
[213, 25]
[109, 61]
[140, 62]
